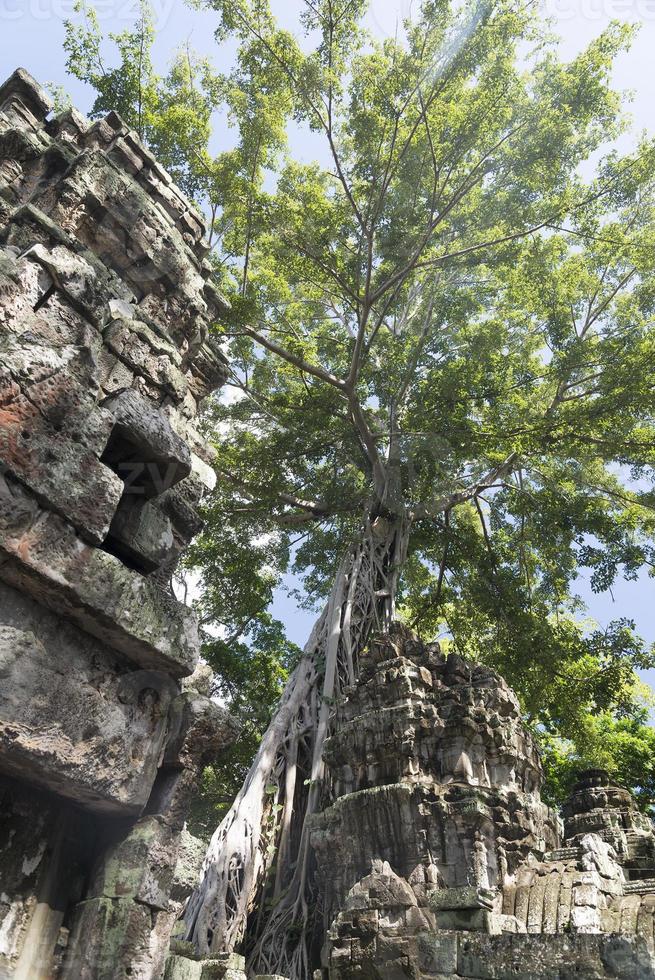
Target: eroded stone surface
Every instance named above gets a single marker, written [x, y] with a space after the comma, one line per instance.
[438, 858]
[75, 717]
[44, 557]
[435, 747]
[45, 846]
[105, 315]
[106, 311]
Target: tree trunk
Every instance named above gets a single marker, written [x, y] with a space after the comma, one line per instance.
[258, 871]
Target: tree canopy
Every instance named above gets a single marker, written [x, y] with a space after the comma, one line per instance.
[444, 321]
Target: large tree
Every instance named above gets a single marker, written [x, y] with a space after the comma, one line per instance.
[442, 346]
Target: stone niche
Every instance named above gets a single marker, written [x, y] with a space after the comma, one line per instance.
[106, 355]
[438, 858]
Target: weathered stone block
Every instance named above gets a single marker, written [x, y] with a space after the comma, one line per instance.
[142, 535]
[53, 457]
[143, 449]
[545, 957]
[224, 966]
[437, 953]
[466, 897]
[463, 919]
[585, 895]
[20, 94]
[94, 589]
[140, 867]
[627, 956]
[25, 838]
[190, 855]
[585, 919]
[113, 941]
[44, 845]
[73, 715]
[180, 503]
[147, 353]
[180, 968]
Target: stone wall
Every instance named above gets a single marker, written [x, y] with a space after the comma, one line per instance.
[438, 858]
[106, 355]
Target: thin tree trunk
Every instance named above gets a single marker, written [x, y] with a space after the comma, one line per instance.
[256, 856]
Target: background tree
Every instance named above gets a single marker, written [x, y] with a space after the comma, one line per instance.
[442, 343]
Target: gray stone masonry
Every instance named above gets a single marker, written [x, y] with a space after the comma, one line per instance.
[437, 857]
[106, 356]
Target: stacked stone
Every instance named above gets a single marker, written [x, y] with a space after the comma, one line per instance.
[568, 891]
[438, 783]
[603, 879]
[597, 806]
[106, 356]
[222, 966]
[438, 858]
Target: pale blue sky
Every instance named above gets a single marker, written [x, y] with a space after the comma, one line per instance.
[31, 34]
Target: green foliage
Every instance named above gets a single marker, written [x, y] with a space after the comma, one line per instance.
[623, 746]
[440, 317]
[129, 88]
[172, 114]
[60, 98]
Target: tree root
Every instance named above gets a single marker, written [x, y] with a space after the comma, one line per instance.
[258, 873]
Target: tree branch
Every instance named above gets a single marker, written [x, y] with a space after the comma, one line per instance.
[368, 439]
[314, 369]
[449, 501]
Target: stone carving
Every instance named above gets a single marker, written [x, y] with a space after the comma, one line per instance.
[105, 356]
[434, 747]
[602, 881]
[438, 858]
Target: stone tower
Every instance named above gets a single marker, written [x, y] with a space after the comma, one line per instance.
[438, 858]
[105, 356]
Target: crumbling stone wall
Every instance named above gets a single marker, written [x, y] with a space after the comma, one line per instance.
[437, 745]
[439, 859]
[106, 356]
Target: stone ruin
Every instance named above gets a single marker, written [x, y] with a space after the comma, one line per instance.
[105, 355]
[437, 857]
